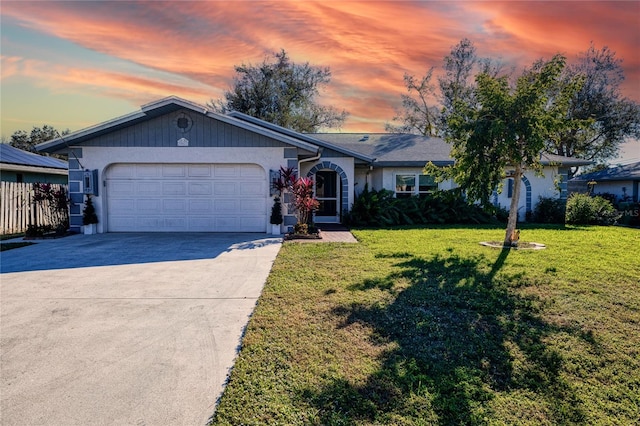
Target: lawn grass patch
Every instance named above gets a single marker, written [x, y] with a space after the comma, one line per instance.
[426, 326]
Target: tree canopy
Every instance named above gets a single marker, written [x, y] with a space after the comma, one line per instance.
[282, 92]
[27, 141]
[601, 118]
[597, 121]
[501, 125]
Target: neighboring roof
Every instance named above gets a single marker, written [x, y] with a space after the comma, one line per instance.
[393, 149]
[15, 156]
[626, 172]
[560, 160]
[160, 107]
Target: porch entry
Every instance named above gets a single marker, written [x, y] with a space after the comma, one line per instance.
[328, 194]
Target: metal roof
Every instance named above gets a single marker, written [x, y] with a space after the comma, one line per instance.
[12, 155]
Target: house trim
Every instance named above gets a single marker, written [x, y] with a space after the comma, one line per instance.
[344, 183]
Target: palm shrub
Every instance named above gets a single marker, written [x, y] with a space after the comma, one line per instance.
[367, 207]
[380, 208]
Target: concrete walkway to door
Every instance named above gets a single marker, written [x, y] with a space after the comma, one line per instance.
[125, 328]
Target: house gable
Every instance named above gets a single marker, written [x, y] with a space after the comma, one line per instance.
[167, 121]
[203, 131]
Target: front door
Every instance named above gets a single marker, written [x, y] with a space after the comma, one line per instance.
[328, 194]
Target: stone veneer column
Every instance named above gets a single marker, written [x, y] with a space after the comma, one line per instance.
[75, 190]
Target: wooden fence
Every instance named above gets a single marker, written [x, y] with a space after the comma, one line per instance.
[18, 208]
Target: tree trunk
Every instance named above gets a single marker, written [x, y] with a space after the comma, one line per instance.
[513, 210]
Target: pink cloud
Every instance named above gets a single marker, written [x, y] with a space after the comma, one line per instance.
[368, 45]
[9, 66]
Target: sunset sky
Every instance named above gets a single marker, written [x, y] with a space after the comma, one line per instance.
[73, 64]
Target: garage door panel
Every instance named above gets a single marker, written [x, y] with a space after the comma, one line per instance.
[123, 206]
[253, 223]
[174, 206]
[200, 224]
[200, 171]
[174, 188]
[148, 188]
[148, 171]
[125, 222]
[147, 224]
[252, 189]
[227, 206]
[225, 223]
[224, 189]
[121, 171]
[249, 205]
[204, 206]
[225, 171]
[174, 171]
[251, 172]
[123, 188]
[175, 223]
[186, 198]
[200, 188]
[148, 206]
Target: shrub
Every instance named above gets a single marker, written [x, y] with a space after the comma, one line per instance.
[276, 212]
[380, 208]
[89, 215]
[549, 210]
[583, 209]
[612, 198]
[304, 203]
[54, 203]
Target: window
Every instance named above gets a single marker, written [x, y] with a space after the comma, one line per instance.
[406, 185]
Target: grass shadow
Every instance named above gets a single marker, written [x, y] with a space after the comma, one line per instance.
[456, 335]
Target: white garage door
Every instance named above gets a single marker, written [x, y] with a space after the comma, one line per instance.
[186, 198]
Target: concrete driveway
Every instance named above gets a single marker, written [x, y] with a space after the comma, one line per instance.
[136, 329]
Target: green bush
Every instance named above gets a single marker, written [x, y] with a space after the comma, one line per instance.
[549, 210]
[583, 209]
[381, 208]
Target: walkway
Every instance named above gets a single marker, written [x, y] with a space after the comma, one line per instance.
[331, 233]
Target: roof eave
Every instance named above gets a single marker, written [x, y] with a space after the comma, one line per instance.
[32, 169]
[399, 163]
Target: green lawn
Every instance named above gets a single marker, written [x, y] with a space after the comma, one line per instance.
[425, 326]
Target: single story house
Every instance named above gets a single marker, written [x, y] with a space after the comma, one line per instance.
[17, 165]
[175, 166]
[621, 181]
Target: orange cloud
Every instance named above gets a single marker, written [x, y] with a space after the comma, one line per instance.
[189, 48]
